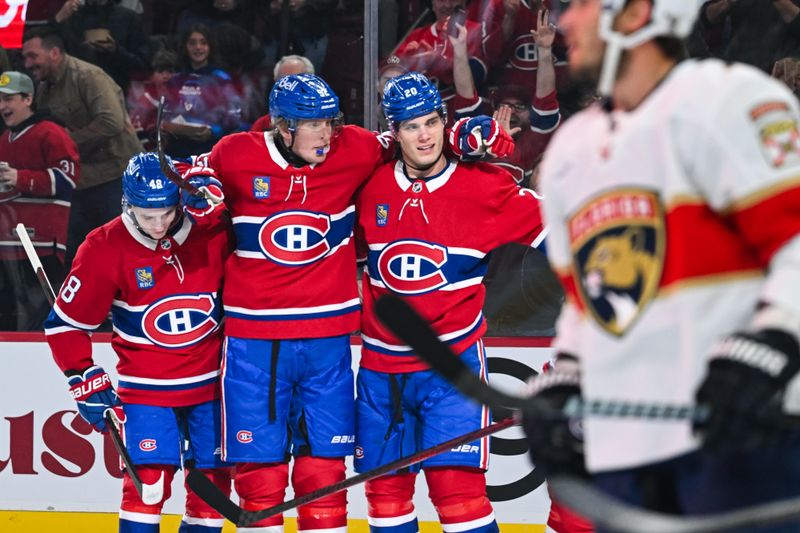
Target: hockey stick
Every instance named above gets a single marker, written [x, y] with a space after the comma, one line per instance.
[151, 494]
[409, 327]
[610, 513]
[209, 492]
[170, 173]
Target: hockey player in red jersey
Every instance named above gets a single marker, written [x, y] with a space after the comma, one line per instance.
[291, 298]
[675, 229]
[428, 224]
[160, 275]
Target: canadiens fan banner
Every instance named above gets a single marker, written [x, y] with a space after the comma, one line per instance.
[12, 22]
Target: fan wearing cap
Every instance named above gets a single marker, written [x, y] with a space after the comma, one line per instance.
[426, 225]
[39, 167]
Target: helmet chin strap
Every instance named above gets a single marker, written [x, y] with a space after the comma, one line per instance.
[286, 151]
[173, 227]
[424, 168]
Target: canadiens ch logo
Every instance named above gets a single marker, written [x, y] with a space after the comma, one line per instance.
[261, 187]
[144, 277]
[618, 247]
[412, 267]
[295, 237]
[148, 445]
[178, 321]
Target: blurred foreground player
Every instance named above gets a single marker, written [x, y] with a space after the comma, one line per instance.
[674, 228]
[291, 300]
[428, 225]
[160, 274]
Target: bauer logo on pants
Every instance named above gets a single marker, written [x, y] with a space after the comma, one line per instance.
[617, 243]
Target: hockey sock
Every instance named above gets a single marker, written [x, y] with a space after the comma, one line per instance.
[390, 506]
[262, 485]
[201, 517]
[459, 496]
[326, 514]
[134, 515]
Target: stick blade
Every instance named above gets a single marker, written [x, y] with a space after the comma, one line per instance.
[210, 493]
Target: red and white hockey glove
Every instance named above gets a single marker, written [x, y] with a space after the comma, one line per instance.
[472, 137]
[94, 394]
[205, 180]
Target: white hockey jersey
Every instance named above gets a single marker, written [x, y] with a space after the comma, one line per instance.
[664, 221]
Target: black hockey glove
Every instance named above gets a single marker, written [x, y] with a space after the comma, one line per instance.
[747, 376]
[556, 443]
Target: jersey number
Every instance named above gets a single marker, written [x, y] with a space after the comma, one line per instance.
[70, 288]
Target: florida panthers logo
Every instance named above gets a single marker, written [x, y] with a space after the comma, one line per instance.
[295, 237]
[618, 242]
[179, 321]
[412, 267]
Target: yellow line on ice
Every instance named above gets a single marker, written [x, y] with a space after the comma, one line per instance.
[48, 522]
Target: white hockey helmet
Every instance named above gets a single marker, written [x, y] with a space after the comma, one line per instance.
[670, 18]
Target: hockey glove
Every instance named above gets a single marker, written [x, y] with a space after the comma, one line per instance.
[743, 389]
[556, 443]
[472, 137]
[94, 393]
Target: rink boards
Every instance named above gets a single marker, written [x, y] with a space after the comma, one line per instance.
[55, 475]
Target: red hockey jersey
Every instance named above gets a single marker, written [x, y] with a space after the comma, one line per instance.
[47, 164]
[429, 240]
[293, 274]
[165, 307]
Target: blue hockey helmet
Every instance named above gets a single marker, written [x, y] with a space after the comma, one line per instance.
[409, 96]
[302, 97]
[144, 185]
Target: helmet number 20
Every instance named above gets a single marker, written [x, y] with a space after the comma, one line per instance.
[411, 91]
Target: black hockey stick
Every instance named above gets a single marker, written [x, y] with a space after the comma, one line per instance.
[214, 497]
[610, 513]
[170, 173]
[151, 494]
[409, 327]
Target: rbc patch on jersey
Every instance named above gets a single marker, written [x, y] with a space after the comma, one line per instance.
[144, 277]
[381, 214]
[617, 243]
[261, 187]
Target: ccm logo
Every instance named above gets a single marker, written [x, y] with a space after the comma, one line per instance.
[245, 436]
[343, 439]
[466, 448]
[147, 445]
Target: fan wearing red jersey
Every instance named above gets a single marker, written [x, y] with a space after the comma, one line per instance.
[428, 224]
[160, 275]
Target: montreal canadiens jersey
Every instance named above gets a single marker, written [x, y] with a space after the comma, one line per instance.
[428, 241]
[663, 221]
[48, 166]
[293, 274]
[164, 298]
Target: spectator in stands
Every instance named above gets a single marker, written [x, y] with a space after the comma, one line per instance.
[107, 35]
[39, 166]
[788, 71]
[429, 51]
[300, 27]
[202, 103]
[760, 32]
[390, 68]
[91, 106]
[143, 97]
[291, 64]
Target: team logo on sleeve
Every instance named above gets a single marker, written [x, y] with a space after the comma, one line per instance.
[261, 187]
[412, 267]
[295, 238]
[178, 321]
[144, 278]
[618, 246]
[381, 214]
[777, 128]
